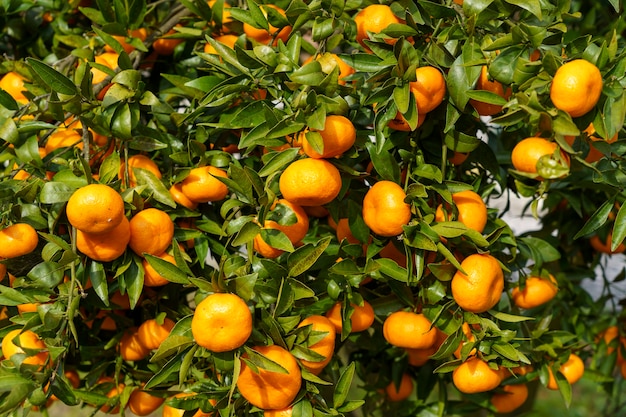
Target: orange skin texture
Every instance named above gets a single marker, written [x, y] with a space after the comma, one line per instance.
[107, 246]
[361, 319]
[472, 211]
[284, 412]
[180, 198]
[484, 83]
[401, 392]
[202, 186]
[474, 376]
[142, 403]
[605, 247]
[29, 340]
[338, 136]
[295, 232]
[384, 209]
[138, 161]
[151, 334]
[512, 398]
[271, 390]
[109, 60]
[409, 330]
[537, 291]
[310, 182]
[131, 348]
[429, 88]
[140, 33]
[573, 369]
[165, 46]
[374, 18]
[13, 83]
[264, 36]
[221, 322]
[527, 152]
[228, 40]
[151, 277]
[95, 208]
[17, 240]
[151, 231]
[325, 347]
[63, 138]
[576, 87]
[481, 289]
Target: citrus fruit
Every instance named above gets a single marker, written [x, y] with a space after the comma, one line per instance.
[409, 330]
[202, 186]
[384, 209]
[151, 231]
[329, 62]
[95, 208]
[594, 153]
[428, 89]
[265, 36]
[338, 136]
[13, 83]
[166, 45]
[402, 391]
[63, 138]
[137, 161]
[151, 333]
[527, 153]
[27, 340]
[228, 40]
[267, 389]
[140, 33]
[151, 278]
[573, 369]
[374, 19]
[180, 198]
[472, 211]
[221, 322]
[324, 346]
[107, 59]
[576, 87]
[361, 319]
[171, 411]
[113, 393]
[474, 376]
[289, 218]
[605, 247]
[510, 399]
[142, 403]
[485, 84]
[17, 240]
[480, 287]
[107, 246]
[130, 346]
[310, 182]
[536, 291]
[283, 412]
[468, 338]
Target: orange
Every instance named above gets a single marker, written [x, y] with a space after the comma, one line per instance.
[295, 228]
[537, 291]
[180, 198]
[472, 211]
[572, 370]
[400, 123]
[142, 403]
[474, 376]
[361, 319]
[107, 246]
[469, 337]
[273, 33]
[310, 182]
[527, 153]
[329, 62]
[114, 392]
[594, 154]
[608, 335]
[484, 83]
[228, 40]
[13, 83]
[605, 247]
[17, 240]
[151, 334]
[138, 161]
[140, 34]
[283, 412]
[457, 158]
[409, 330]
[384, 209]
[151, 278]
[402, 391]
[95, 208]
[510, 399]
[27, 340]
[202, 186]
[267, 389]
[325, 346]
[221, 322]
[130, 346]
[428, 89]
[338, 136]
[342, 231]
[63, 138]
[576, 87]
[109, 60]
[151, 231]
[170, 411]
[165, 45]
[480, 287]
[374, 19]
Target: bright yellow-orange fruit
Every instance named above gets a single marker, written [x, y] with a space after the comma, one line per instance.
[138, 161]
[361, 319]
[474, 376]
[329, 62]
[480, 287]
[27, 340]
[537, 291]
[166, 45]
[107, 246]
[151, 277]
[271, 390]
[472, 211]
[295, 230]
[266, 36]
[109, 60]
[429, 88]
[310, 182]
[130, 346]
[140, 33]
[283, 412]
[142, 403]
[510, 399]
[13, 83]
[573, 369]
[221, 322]
[325, 346]
[374, 19]
[180, 198]
[95, 208]
[228, 40]
[409, 330]
[338, 136]
[527, 153]
[202, 186]
[151, 334]
[576, 87]
[151, 231]
[402, 391]
[63, 138]
[605, 247]
[17, 240]
[170, 411]
[384, 209]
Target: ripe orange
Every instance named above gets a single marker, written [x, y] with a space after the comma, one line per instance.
[329, 62]
[27, 340]
[283, 412]
[361, 319]
[17, 240]
[114, 392]
[428, 89]
[107, 246]
[63, 138]
[221, 322]
[142, 403]
[510, 399]
[266, 36]
[605, 247]
[151, 334]
[472, 211]
[338, 136]
[202, 186]
[481, 288]
[151, 278]
[295, 229]
[95, 208]
[409, 330]
[484, 83]
[310, 182]
[325, 346]
[180, 198]
[170, 411]
[140, 33]
[164, 45]
[137, 161]
[469, 337]
[130, 346]
[537, 291]
[384, 209]
[228, 40]
[400, 123]
[267, 389]
[576, 87]
[474, 376]
[608, 335]
[109, 60]
[527, 153]
[402, 391]
[573, 369]
[13, 83]
[374, 19]
[151, 231]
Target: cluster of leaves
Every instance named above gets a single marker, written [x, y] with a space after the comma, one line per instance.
[190, 108]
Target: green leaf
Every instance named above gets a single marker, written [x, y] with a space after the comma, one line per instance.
[47, 274]
[167, 270]
[597, 219]
[619, 228]
[52, 78]
[159, 192]
[171, 345]
[304, 257]
[342, 389]
[533, 6]
[165, 372]
[55, 192]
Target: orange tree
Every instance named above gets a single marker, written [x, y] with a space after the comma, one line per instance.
[326, 181]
